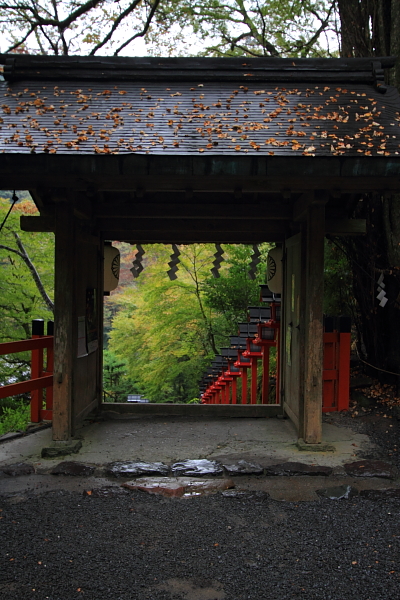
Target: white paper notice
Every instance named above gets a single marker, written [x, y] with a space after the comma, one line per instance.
[82, 349]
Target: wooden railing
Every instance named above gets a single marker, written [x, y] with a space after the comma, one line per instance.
[41, 371]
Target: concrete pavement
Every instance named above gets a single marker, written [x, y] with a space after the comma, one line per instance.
[171, 439]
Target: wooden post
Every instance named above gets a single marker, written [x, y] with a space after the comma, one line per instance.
[225, 392]
[244, 385]
[265, 374]
[253, 393]
[313, 355]
[65, 321]
[50, 370]
[234, 388]
[37, 371]
[344, 371]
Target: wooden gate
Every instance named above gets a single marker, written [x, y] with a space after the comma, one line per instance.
[291, 333]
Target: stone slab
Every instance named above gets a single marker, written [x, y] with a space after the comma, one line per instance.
[61, 449]
[197, 468]
[18, 469]
[242, 467]
[72, 468]
[370, 468]
[322, 447]
[296, 468]
[136, 468]
[177, 487]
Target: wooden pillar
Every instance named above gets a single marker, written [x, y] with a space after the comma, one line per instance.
[234, 389]
[64, 321]
[244, 385]
[265, 374]
[313, 320]
[253, 393]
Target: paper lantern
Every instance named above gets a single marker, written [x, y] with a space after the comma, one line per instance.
[111, 267]
[274, 270]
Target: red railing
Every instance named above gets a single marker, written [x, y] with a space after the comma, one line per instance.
[336, 373]
[41, 374]
[336, 367]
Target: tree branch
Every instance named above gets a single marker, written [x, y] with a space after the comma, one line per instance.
[22, 253]
[144, 30]
[116, 24]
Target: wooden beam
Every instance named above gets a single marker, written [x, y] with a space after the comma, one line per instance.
[37, 224]
[125, 182]
[163, 226]
[83, 208]
[217, 210]
[301, 206]
[65, 321]
[345, 226]
[184, 237]
[313, 367]
[340, 227]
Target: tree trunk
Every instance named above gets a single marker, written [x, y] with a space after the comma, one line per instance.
[372, 28]
[354, 22]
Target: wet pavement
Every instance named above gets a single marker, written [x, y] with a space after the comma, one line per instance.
[169, 440]
[260, 454]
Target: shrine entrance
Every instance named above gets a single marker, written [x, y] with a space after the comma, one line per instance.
[148, 150]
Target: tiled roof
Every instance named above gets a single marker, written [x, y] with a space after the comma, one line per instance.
[202, 115]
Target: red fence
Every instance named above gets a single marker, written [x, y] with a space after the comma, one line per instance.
[41, 372]
[336, 374]
[336, 367]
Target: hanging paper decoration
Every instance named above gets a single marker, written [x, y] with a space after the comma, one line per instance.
[255, 259]
[218, 260]
[381, 292]
[111, 267]
[173, 264]
[274, 270]
[137, 263]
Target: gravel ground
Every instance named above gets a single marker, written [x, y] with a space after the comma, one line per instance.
[64, 545]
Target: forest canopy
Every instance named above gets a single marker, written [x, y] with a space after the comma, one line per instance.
[295, 28]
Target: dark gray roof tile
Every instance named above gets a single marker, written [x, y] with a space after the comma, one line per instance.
[210, 117]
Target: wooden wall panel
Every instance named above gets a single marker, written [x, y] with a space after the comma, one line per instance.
[86, 369]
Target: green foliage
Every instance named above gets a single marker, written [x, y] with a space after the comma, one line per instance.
[162, 329]
[291, 28]
[116, 382]
[166, 332]
[15, 417]
[231, 293]
[20, 298]
[338, 282]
